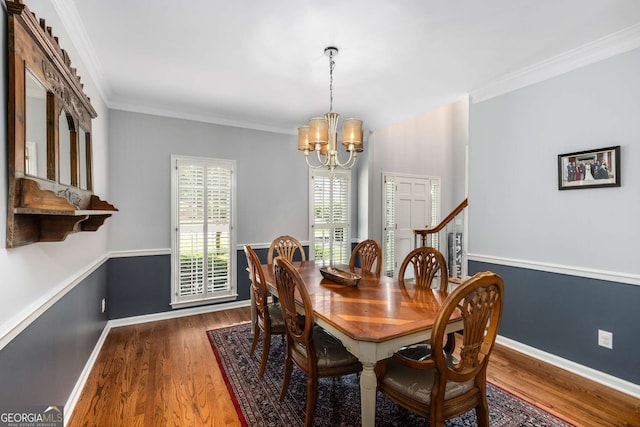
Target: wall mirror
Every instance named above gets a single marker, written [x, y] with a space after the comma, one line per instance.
[64, 147]
[83, 142]
[49, 138]
[35, 155]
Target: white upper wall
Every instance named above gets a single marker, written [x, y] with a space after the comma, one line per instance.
[32, 275]
[432, 144]
[515, 208]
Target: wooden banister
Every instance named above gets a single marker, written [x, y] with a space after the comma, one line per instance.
[424, 232]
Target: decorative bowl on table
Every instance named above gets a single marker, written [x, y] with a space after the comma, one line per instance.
[341, 277]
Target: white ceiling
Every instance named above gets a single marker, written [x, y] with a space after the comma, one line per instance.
[260, 64]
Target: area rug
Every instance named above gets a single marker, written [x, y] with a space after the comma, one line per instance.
[257, 399]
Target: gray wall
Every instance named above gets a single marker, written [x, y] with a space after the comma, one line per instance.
[272, 178]
[42, 364]
[517, 216]
[560, 314]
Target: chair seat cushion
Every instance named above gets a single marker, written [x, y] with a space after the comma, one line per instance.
[275, 314]
[418, 351]
[329, 350]
[417, 384]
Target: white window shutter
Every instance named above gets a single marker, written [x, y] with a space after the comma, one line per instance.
[203, 242]
[330, 213]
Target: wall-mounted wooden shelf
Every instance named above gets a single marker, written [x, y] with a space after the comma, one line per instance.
[44, 216]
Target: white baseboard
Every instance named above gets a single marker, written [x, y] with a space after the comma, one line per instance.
[84, 375]
[584, 371]
[77, 389]
[134, 320]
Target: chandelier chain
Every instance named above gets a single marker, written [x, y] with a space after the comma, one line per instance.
[332, 65]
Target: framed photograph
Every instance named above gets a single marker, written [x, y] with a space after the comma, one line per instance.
[589, 169]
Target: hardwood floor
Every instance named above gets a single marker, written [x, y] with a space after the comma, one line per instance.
[164, 374]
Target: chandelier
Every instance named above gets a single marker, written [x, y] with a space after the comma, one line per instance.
[321, 134]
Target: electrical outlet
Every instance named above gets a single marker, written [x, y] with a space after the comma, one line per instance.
[104, 305]
[605, 338]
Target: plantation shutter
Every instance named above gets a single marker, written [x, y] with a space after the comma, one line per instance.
[330, 216]
[389, 226]
[435, 208]
[203, 230]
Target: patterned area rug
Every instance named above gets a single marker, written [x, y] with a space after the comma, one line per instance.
[257, 404]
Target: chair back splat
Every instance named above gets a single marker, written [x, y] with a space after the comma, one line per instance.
[285, 246]
[370, 253]
[428, 263]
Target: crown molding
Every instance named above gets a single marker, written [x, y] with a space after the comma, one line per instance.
[216, 120]
[73, 25]
[598, 50]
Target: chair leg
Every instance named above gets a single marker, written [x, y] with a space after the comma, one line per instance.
[266, 346]
[312, 390]
[288, 367]
[482, 408]
[254, 344]
[482, 413]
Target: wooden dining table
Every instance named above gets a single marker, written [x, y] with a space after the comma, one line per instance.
[373, 319]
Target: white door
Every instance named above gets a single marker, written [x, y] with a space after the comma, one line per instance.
[411, 202]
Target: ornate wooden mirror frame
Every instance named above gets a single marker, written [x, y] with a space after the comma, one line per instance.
[47, 202]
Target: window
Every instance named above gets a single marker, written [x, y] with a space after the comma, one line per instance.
[330, 212]
[203, 231]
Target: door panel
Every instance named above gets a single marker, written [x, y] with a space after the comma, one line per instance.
[413, 207]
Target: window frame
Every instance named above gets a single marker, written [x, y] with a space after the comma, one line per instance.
[325, 173]
[206, 297]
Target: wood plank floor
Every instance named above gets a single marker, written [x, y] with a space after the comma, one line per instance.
[164, 374]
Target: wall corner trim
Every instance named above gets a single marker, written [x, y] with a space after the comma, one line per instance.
[584, 371]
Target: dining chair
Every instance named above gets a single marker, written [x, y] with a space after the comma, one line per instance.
[313, 350]
[369, 252]
[285, 246]
[268, 317]
[428, 264]
[443, 387]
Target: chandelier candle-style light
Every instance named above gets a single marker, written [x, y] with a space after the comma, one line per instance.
[322, 132]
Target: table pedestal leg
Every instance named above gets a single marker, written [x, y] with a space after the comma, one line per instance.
[368, 385]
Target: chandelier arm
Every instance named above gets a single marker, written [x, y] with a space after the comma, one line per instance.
[321, 165]
[326, 160]
[349, 163]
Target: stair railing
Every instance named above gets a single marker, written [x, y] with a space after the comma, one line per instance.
[448, 238]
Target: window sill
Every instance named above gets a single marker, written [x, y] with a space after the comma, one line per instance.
[212, 300]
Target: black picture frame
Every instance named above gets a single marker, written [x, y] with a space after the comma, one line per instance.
[589, 169]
